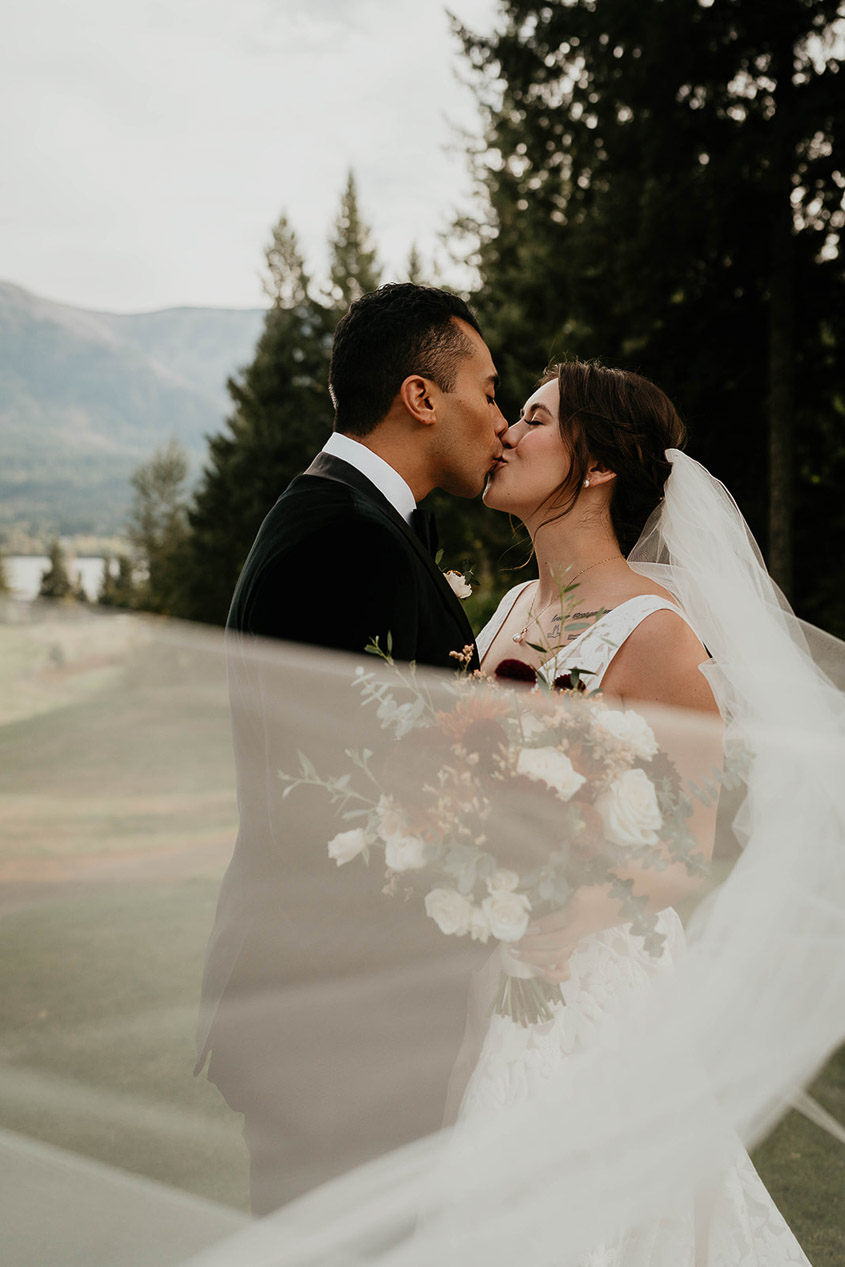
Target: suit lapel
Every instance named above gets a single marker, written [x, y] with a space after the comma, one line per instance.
[325, 466]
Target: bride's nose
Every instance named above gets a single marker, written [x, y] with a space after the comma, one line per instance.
[512, 436]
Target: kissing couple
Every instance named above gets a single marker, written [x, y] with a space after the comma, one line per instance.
[594, 469]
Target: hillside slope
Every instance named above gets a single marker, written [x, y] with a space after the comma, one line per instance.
[85, 396]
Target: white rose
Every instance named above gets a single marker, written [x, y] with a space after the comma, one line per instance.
[450, 910]
[533, 726]
[547, 765]
[629, 810]
[630, 728]
[479, 925]
[460, 586]
[347, 845]
[507, 914]
[404, 853]
[503, 881]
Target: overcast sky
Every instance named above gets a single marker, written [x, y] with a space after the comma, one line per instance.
[148, 145]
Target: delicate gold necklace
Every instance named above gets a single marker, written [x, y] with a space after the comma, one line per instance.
[520, 637]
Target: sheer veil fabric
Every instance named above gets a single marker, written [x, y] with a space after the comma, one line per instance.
[118, 798]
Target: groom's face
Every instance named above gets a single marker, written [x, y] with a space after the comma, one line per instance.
[470, 425]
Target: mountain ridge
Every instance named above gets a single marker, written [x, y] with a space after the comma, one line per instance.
[86, 395]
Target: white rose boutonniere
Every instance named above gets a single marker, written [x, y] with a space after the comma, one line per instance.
[347, 845]
[629, 810]
[459, 584]
[631, 729]
[547, 765]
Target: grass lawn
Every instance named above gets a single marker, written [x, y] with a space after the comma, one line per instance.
[804, 1169]
[97, 1013]
[97, 1016]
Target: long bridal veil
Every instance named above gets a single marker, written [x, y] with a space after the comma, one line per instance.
[119, 804]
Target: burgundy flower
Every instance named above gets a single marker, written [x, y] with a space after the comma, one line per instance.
[564, 682]
[516, 671]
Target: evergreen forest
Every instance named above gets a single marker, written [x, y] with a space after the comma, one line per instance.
[659, 186]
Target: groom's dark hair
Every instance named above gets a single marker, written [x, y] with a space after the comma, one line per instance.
[387, 335]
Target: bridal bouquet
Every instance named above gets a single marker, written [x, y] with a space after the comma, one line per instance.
[501, 755]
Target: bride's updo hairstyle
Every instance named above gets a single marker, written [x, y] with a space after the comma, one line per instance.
[623, 421]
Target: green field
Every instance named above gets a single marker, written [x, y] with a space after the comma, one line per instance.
[97, 1016]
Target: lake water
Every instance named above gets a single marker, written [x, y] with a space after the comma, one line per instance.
[23, 572]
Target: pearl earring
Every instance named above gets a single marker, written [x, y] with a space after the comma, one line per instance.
[586, 483]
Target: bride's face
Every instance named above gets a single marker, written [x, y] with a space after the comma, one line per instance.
[535, 461]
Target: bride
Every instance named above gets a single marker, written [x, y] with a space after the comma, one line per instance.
[584, 468]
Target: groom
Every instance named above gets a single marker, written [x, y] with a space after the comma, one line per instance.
[344, 556]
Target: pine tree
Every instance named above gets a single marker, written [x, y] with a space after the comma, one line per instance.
[117, 589]
[354, 268]
[285, 282]
[660, 189]
[414, 269]
[55, 579]
[157, 526]
[281, 418]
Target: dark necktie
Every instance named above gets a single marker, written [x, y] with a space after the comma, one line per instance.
[423, 524]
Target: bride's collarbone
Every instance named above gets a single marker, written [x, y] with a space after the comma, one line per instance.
[527, 627]
[536, 637]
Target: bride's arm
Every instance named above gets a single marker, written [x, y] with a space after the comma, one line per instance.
[659, 663]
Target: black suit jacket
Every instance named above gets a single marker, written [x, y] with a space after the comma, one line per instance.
[333, 565]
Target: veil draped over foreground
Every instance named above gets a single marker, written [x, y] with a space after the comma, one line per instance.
[118, 810]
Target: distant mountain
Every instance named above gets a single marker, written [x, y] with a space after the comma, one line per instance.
[85, 396]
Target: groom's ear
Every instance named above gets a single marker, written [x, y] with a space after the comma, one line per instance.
[416, 394]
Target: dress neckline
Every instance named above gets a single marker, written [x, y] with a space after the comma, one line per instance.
[569, 645]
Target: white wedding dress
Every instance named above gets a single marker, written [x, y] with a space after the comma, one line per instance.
[737, 1224]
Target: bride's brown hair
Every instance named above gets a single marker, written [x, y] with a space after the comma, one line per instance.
[626, 423]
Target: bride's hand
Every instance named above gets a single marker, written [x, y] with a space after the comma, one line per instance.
[550, 946]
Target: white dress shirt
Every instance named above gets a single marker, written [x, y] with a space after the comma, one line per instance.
[377, 471]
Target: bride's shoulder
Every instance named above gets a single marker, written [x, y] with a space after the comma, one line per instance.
[660, 659]
[510, 596]
[642, 586]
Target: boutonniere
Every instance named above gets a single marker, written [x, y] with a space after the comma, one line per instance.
[460, 586]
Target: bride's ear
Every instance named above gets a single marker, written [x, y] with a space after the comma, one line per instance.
[598, 473]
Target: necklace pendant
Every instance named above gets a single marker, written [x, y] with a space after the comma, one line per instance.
[518, 638]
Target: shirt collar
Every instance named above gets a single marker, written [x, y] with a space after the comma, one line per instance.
[377, 471]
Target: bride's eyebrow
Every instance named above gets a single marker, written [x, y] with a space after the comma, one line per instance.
[535, 407]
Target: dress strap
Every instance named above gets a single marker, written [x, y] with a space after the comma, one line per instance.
[593, 651]
[485, 638]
